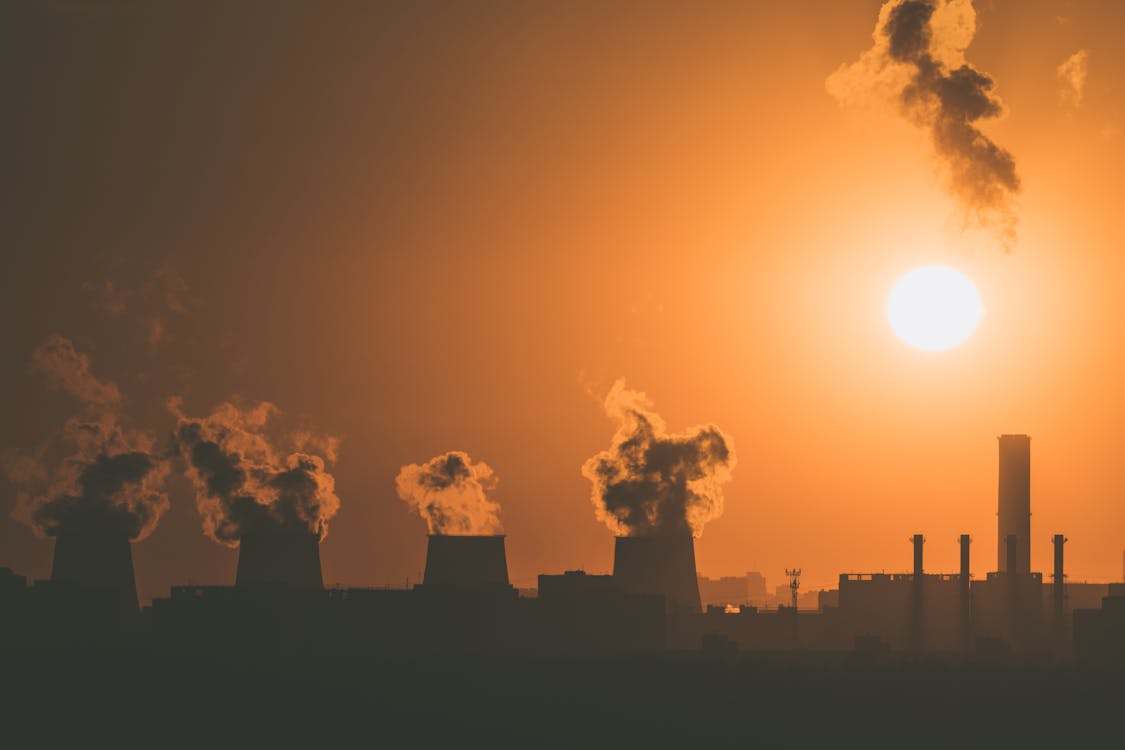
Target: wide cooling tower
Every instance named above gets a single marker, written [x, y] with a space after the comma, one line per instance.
[466, 561]
[658, 565]
[101, 561]
[280, 557]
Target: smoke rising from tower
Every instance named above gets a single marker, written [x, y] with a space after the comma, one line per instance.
[918, 62]
[652, 482]
[451, 493]
[248, 481]
[110, 477]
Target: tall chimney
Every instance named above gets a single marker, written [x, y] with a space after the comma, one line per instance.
[96, 560]
[280, 557]
[1011, 548]
[1014, 503]
[917, 616]
[1059, 588]
[918, 541]
[964, 540]
[966, 601]
[658, 564]
[1058, 540]
[466, 561]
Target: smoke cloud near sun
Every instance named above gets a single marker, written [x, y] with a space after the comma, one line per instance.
[917, 61]
[1072, 74]
[653, 482]
[249, 478]
[450, 492]
[97, 475]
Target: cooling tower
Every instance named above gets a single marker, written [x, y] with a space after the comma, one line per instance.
[1014, 503]
[466, 561]
[658, 565]
[280, 557]
[96, 560]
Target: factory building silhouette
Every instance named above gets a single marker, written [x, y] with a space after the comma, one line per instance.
[650, 603]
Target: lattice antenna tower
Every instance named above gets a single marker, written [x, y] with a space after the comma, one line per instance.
[794, 584]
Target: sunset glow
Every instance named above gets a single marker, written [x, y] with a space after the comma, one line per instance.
[934, 308]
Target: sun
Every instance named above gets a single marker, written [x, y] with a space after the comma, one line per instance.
[934, 308]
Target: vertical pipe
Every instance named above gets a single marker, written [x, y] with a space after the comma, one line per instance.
[966, 598]
[964, 540]
[1059, 590]
[1011, 544]
[917, 604]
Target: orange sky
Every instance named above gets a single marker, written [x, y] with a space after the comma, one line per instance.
[428, 227]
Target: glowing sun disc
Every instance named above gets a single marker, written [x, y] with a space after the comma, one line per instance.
[934, 308]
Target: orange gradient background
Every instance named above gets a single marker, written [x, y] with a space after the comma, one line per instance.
[430, 227]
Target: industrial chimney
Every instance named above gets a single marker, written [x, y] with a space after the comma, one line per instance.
[96, 560]
[280, 557]
[658, 564]
[965, 605]
[466, 561]
[1058, 589]
[964, 540]
[1014, 503]
[918, 540]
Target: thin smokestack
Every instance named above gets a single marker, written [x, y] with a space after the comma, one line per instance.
[966, 597]
[1058, 540]
[964, 542]
[918, 540]
[1014, 503]
[917, 613]
[1059, 591]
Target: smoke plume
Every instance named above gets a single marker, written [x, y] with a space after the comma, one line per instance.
[110, 478]
[918, 61]
[247, 480]
[1072, 79]
[451, 493]
[652, 482]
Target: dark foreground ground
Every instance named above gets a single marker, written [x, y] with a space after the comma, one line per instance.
[118, 698]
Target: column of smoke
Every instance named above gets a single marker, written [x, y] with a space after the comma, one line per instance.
[451, 493]
[110, 477]
[651, 482]
[918, 62]
[249, 480]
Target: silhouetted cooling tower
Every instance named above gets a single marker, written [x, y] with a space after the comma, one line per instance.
[658, 565]
[280, 557]
[93, 560]
[1014, 502]
[466, 561]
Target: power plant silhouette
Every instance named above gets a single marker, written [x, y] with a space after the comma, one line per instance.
[651, 602]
